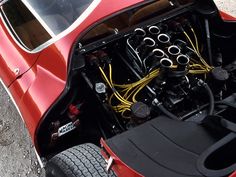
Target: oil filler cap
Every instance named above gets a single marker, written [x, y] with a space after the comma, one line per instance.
[219, 74]
[140, 111]
[100, 87]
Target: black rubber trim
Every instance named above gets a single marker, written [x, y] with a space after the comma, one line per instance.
[203, 157]
[163, 147]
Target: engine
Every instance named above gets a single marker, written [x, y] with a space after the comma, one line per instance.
[162, 68]
[173, 58]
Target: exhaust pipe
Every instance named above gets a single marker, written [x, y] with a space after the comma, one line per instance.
[174, 50]
[163, 38]
[183, 61]
[154, 30]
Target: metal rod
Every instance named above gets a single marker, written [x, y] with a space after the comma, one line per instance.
[208, 35]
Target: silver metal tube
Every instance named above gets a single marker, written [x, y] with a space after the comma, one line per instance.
[140, 32]
[154, 30]
[158, 53]
[149, 42]
[174, 50]
[182, 60]
[163, 38]
[166, 63]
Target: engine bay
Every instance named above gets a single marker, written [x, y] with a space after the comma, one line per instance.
[176, 61]
[162, 68]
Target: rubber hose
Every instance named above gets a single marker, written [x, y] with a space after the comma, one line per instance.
[166, 112]
[226, 104]
[211, 99]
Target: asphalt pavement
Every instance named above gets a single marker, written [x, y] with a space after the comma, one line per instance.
[17, 157]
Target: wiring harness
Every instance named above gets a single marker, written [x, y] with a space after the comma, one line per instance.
[123, 96]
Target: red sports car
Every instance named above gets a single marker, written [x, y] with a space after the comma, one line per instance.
[151, 82]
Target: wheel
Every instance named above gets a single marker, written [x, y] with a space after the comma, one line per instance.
[80, 161]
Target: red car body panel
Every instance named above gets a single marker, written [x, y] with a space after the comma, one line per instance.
[233, 175]
[39, 87]
[13, 57]
[118, 166]
[42, 76]
[227, 17]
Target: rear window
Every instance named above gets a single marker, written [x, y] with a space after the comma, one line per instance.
[128, 19]
[27, 29]
[34, 22]
[59, 14]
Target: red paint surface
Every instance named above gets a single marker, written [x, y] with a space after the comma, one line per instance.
[45, 79]
[227, 17]
[233, 175]
[119, 167]
[40, 86]
[12, 57]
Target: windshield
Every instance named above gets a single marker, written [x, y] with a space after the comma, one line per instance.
[58, 15]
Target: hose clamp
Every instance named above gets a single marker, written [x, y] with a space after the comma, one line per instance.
[156, 102]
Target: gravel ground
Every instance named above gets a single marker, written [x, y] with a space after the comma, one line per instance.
[228, 6]
[17, 157]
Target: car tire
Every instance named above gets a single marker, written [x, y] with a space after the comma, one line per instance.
[80, 161]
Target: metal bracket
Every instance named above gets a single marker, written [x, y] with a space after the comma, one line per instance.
[109, 164]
